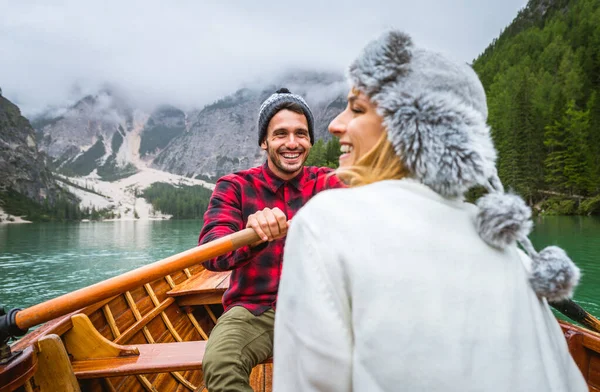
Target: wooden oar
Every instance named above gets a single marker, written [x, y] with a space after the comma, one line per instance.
[78, 299]
[575, 312]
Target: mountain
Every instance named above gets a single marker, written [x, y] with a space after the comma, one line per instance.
[542, 78]
[106, 136]
[26, 183]
[99, 133]
[223, 136]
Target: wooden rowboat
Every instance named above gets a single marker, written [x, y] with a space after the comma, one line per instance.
[151, 337]
[145, 330]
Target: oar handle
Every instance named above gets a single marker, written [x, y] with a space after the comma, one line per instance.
[46, 311]
[575, 312]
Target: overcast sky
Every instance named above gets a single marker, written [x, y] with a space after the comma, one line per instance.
[192, 52]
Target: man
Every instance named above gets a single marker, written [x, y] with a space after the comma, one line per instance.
[264, 198]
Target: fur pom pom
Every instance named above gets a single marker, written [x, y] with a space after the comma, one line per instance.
[554, 275]
[502, 219]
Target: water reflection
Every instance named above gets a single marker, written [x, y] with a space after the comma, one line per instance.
[580, 237]
[42, 261]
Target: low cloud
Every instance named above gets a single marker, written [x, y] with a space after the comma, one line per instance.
[190, 53]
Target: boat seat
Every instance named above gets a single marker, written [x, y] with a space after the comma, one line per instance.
[152, 358]
[205, 288]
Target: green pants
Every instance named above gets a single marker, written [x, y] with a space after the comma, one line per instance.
[238, 342]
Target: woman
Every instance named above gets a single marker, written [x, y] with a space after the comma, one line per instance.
[396, 284]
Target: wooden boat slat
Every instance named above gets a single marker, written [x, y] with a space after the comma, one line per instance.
[593, 376]
[163, 315]
[211, 314]
[203, 283]
[200, 299]
[197, 326]
[109, 385]
[153, 358]
[146, 383]
[111, 321]
[28, 387]
[139, 324]
[184, 381]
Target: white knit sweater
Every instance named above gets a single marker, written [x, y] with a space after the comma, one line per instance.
[388, 287]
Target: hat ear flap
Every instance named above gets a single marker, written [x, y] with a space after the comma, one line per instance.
[443, 143]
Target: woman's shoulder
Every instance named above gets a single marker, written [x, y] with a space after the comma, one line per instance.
[406, 190]
[345, 201]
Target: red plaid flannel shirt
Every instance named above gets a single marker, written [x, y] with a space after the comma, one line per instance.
[256, 271]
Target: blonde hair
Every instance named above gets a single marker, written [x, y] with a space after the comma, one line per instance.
[379, 164]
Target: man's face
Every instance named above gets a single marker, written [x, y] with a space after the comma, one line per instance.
[287, 143]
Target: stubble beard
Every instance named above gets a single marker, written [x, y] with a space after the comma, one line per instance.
[276, 159]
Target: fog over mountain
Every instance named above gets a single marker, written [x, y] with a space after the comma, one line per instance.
[190, 54]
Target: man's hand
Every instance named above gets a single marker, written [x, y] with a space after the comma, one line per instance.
[269, 224]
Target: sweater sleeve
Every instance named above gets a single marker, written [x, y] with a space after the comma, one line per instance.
[224, 216]
[313, 338]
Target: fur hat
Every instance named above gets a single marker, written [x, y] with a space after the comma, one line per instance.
[435, 113]
[274, 104]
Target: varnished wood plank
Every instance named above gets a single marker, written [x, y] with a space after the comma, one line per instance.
[170, 281]
[213, 298]
[152, 295]
[160, 288]
[100, 322]
[257, 379]
[210, 313]
[185, 382]
[132, 305]
[111, 321]
[165, 318]
[153, 358]
[269, 377]
[224, 285]
[580, 354]
[138, 316]
[196, 377]
[593, 374]
[108, 385]
[179, 277]
[146, 384]
[197, 326]
[591, 341]
[205, 282]
[140, 324]
[163, 381]
[84, 342]
[54, 368]
[18, 371]
[28, 387]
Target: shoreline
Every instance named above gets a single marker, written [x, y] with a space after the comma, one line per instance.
[8, 219]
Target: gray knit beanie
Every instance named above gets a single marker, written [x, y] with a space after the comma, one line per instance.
[435, 112]
[274, 103]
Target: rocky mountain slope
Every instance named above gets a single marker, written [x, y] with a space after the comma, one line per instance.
[107, 136]
[23, 168]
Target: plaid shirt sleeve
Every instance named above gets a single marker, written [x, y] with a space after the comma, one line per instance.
[223, 217]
